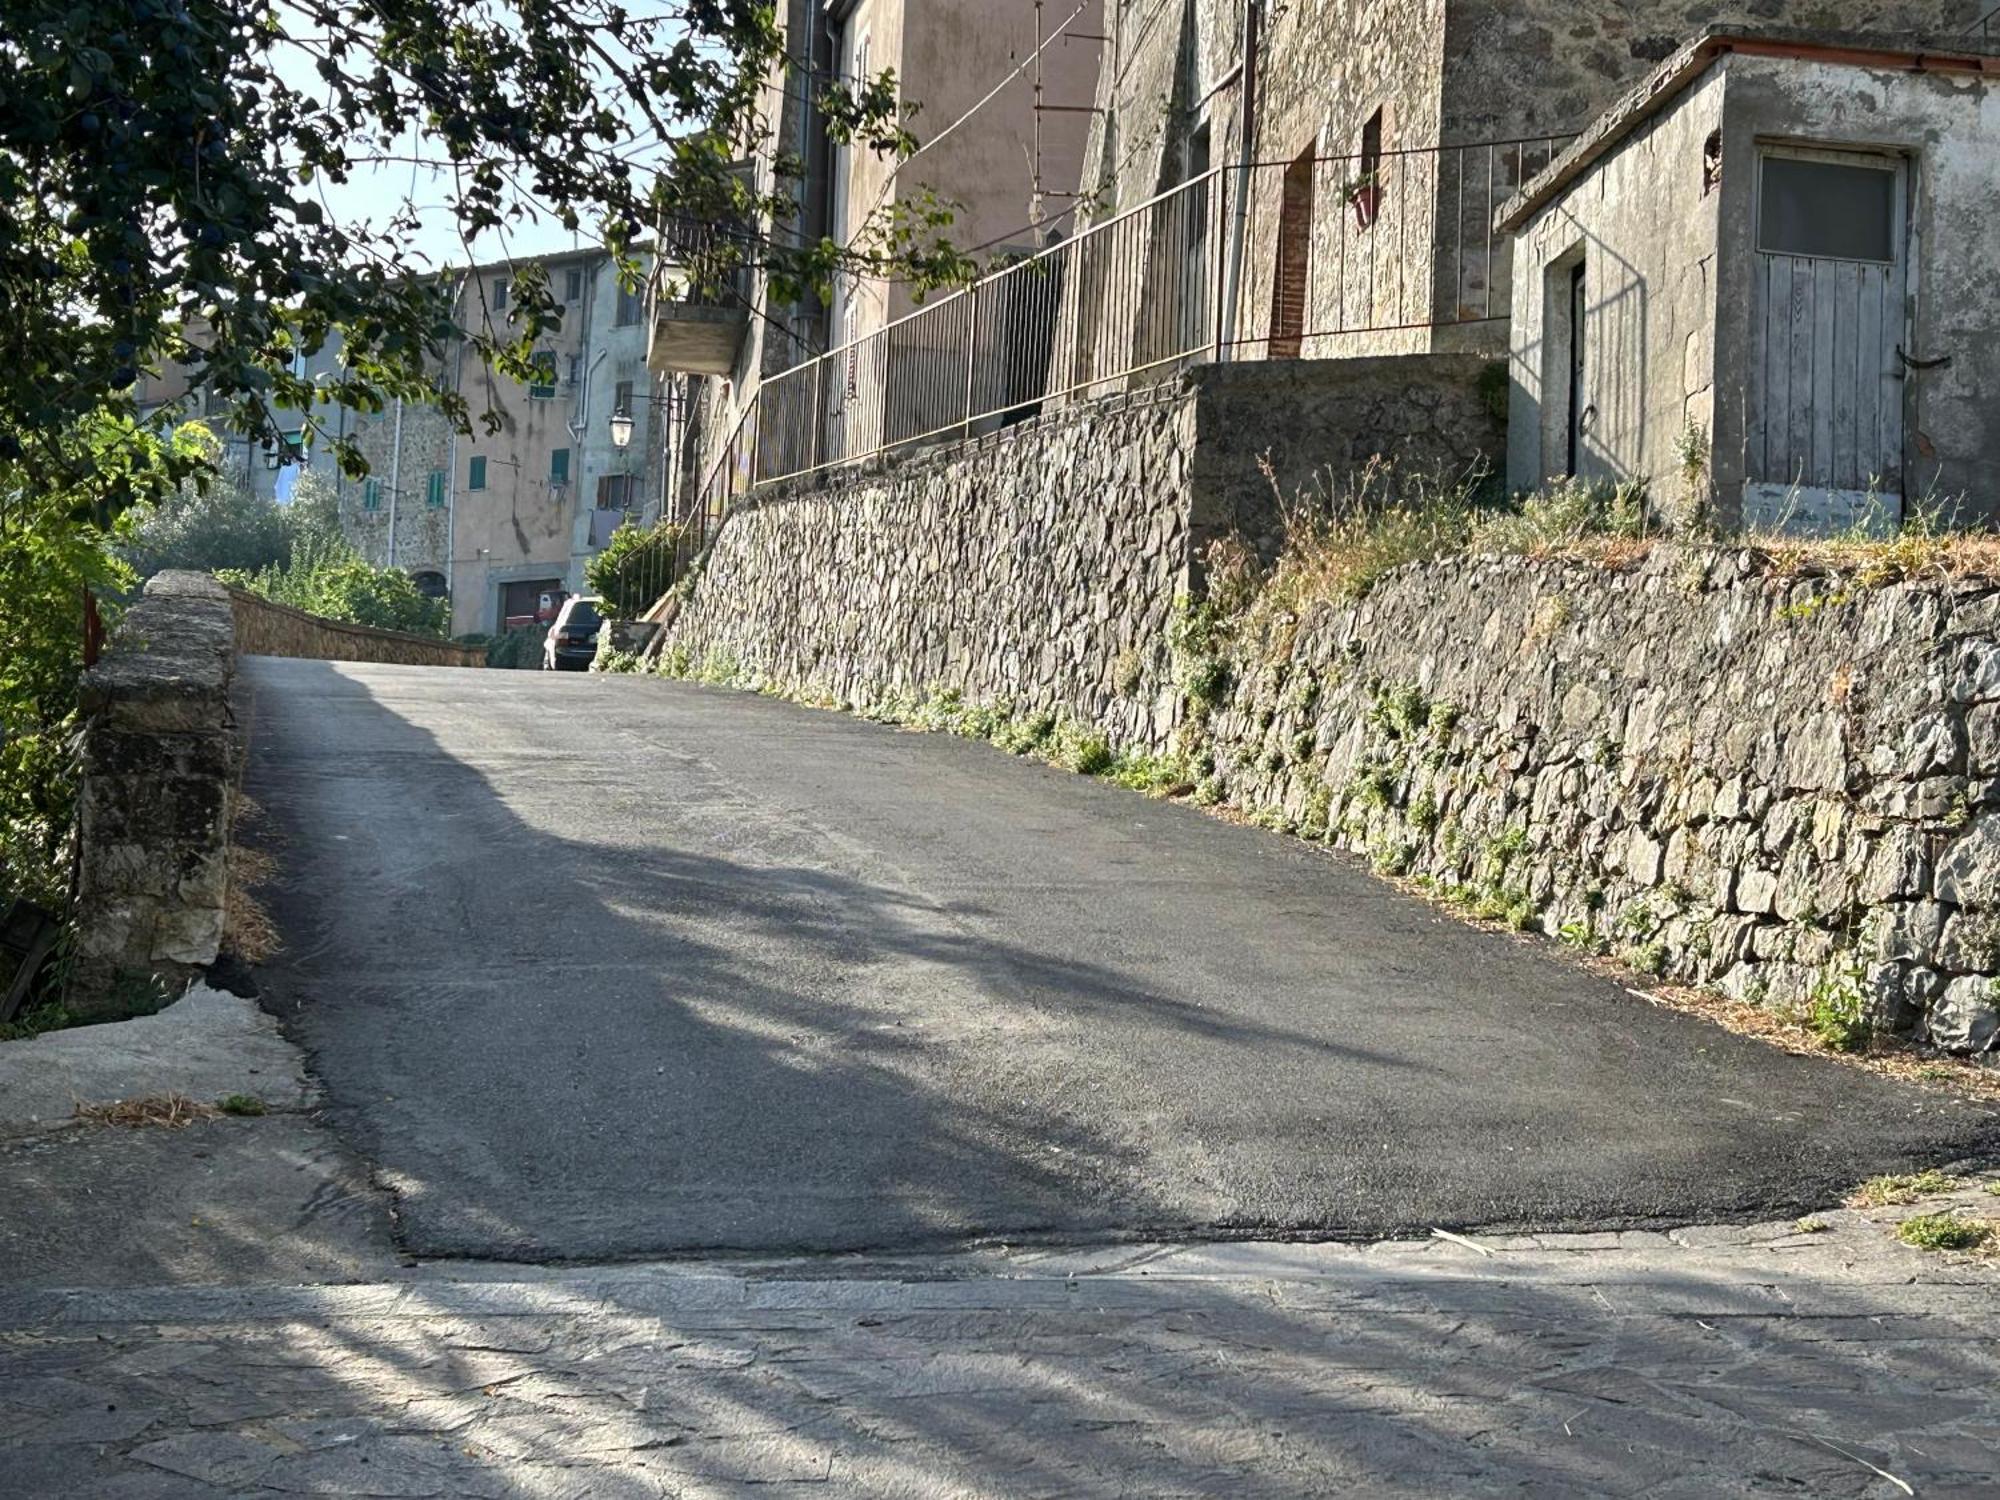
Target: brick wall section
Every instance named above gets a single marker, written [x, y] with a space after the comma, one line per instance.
[158, 760]
[267, 629]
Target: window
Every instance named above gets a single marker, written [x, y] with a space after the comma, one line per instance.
[475, 478]
[575, 368]
[628, 307]
[572, 285]
[542, 384]
[559, 466]
[434, 489]
[1827, 209]
[621, 399]
[371, 494]
[500, 294]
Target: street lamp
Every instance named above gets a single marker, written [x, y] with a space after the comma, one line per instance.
[621, 429]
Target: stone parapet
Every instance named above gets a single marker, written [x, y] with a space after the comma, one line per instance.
[267, 629]
[158, 762]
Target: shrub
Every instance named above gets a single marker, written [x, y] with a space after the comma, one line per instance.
[326, 577]
[635, 568]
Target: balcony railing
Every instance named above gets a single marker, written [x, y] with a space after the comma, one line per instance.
[698, 300]
[1338, 255]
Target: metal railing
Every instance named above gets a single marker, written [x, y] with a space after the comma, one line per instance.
[1987, 26]
[1340, 255]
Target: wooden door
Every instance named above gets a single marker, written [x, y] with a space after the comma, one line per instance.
[1830, 309]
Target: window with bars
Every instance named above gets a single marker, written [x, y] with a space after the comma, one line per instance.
[371, 494]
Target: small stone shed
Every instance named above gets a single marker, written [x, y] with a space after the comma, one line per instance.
[1767, 283]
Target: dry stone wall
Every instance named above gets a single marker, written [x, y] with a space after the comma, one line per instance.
[1039, 567]
[1788, 788]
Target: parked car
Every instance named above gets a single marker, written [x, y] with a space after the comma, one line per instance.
[572, 642]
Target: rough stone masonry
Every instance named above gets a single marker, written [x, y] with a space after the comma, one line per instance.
[1787, 787]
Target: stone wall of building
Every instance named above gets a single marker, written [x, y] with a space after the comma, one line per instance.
[1786, 787]
[263, 628]
[158, 756]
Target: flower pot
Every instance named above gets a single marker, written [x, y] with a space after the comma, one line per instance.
[1367, 201]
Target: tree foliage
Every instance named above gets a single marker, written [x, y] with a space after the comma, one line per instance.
[162, 175]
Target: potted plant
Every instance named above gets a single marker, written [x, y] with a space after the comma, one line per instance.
[1365, 194]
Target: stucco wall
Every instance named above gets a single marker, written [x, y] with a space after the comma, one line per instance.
[1646, 231]
[1772, 784]
[1950, 129]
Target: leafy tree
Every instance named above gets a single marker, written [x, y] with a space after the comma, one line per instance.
[162, 165]
[162, 174]
[50, 554]
[634, 569]
[204, 526]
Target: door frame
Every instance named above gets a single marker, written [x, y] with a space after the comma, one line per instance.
[1774, 499]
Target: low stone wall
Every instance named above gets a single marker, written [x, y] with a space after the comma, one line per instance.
[1785, 787]
[267, 629]
[159, 755]
[1039, 566]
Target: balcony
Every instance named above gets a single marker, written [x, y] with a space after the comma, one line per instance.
[698, 302]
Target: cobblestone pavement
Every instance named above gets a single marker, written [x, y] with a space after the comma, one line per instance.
[1700, 1363]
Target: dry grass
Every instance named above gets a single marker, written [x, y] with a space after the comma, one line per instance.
[1895, 1192]
[1343, 535]
[247, 929]
[156, 1111]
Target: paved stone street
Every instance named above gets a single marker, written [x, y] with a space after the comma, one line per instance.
[1720, 1362]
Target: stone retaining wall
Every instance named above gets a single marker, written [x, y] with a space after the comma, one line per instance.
[159, 756]
[1039, 566]
[1785, 787]
[267, 629]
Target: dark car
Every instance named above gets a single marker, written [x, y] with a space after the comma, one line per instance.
[572, 643]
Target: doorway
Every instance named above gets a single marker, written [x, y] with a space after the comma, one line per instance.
[1829, 318]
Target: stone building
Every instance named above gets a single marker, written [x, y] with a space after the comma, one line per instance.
[491, 519]
[1761, 285]
[997, 93]
[1383, 136]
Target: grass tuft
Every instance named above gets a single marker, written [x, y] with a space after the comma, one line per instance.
[1890, 1192]
[156, 1111]
[1944, 1232]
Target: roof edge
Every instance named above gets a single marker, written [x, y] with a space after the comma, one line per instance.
[1673, 77]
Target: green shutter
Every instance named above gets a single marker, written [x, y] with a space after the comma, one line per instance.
[476, 480]
[371, 494]
[559, 466]
[434, 489]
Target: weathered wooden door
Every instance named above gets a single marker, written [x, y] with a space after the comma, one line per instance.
[1831, 305]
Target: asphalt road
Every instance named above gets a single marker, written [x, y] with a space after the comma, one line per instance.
[616, 967]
